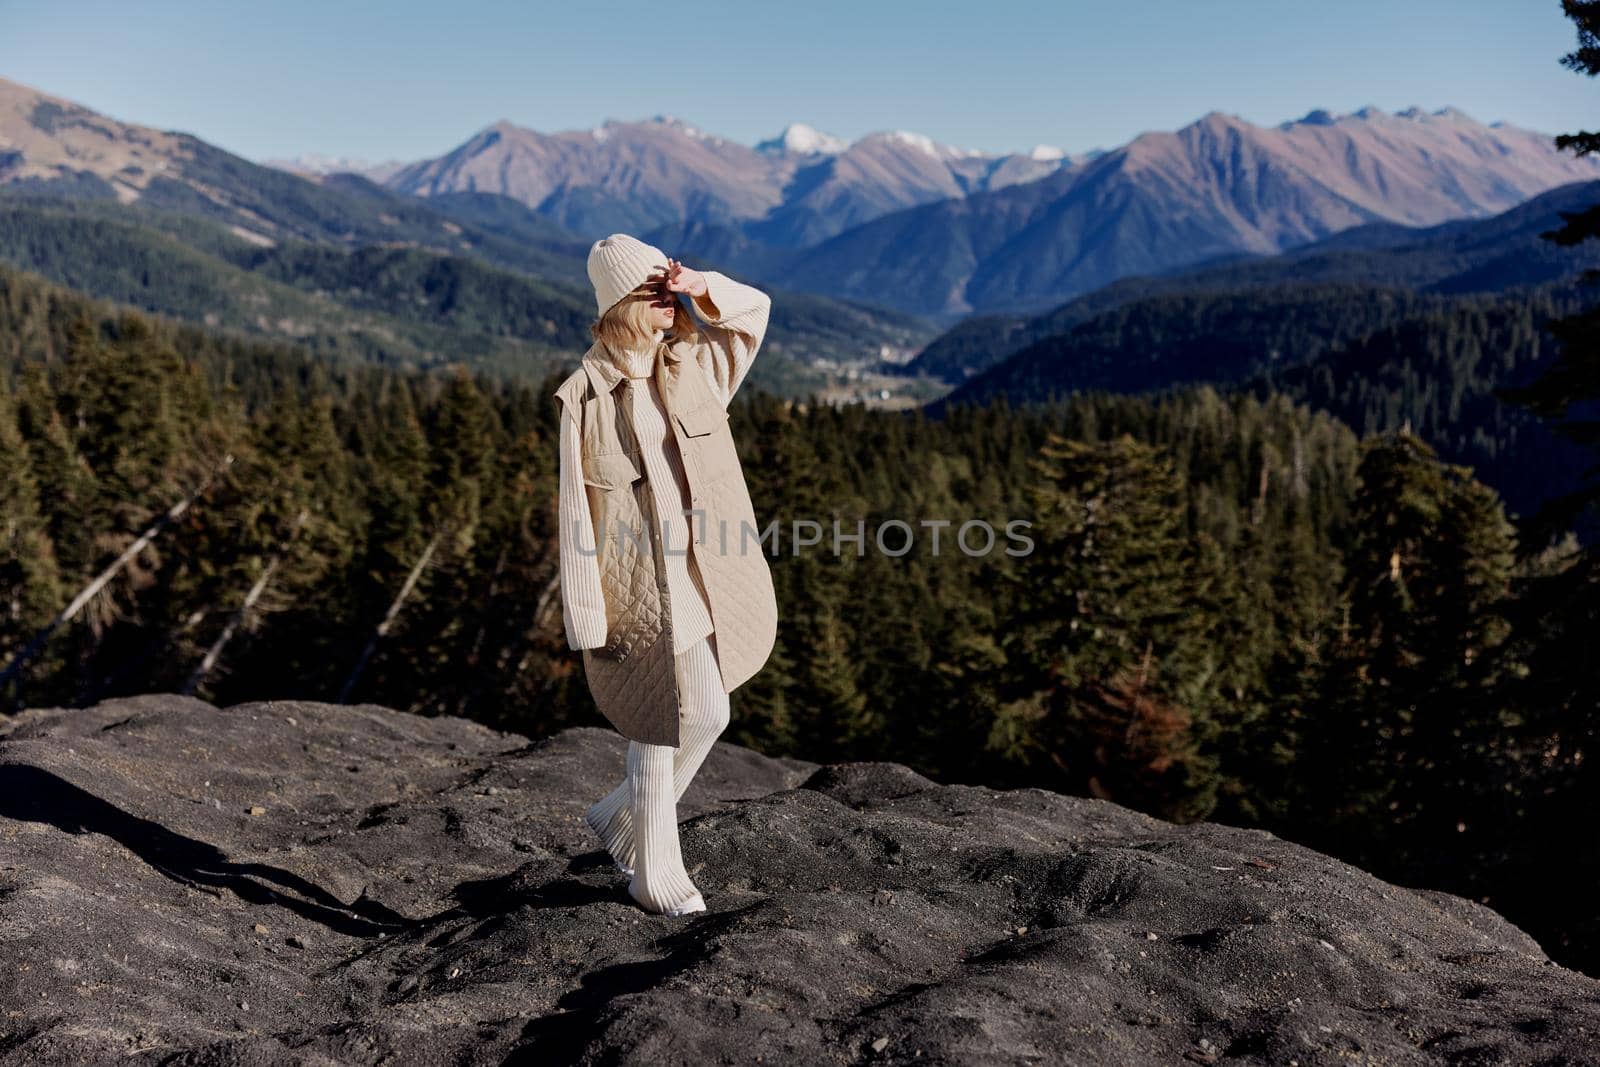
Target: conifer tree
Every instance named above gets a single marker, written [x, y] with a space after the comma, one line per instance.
[1547, 778]
[1569, 389]
[461, 439]
[1106, 591]
[1402, 740]
[764, 716]
[29, 583]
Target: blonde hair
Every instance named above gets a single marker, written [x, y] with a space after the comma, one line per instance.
[626, 324]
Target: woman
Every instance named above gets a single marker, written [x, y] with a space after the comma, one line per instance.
[664, 583]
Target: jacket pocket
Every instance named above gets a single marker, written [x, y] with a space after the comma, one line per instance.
[706, 419]
[611, 470]
[708, 442]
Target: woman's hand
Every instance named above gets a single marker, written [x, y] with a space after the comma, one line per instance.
[681, 279]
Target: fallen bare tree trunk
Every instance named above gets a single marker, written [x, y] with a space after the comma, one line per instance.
[388, 619]
[87, 594]
[250, 598]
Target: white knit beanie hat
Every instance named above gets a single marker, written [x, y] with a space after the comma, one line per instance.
[619, 264]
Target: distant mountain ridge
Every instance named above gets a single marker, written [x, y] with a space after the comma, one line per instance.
[791, 191]
[52, 147]
[898, 219]
[1219, 187]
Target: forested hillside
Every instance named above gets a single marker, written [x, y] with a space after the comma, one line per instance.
[1380, 359]
[1439, 372]
[1233, 607]
[1466, 256]
[400, 302]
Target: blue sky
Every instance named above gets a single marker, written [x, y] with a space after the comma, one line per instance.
[406, 80]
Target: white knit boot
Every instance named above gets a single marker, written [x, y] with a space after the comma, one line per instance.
[705, 717]
[659, 882]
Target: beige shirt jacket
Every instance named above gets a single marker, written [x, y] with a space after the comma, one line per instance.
[617, 596]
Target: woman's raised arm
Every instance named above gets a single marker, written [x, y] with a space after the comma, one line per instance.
[735, 317]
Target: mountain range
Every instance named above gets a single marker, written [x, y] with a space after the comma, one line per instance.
[893, 219]
[1219, 187]
[898, 219]
[789, 192]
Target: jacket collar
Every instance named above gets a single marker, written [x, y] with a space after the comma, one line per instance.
[603, 369]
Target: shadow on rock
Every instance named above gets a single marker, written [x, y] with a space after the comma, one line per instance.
[29, 794]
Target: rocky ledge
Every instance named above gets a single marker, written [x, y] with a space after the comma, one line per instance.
[308, 883]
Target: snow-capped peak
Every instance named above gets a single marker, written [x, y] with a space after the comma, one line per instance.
[1045, 151]
[801, 138]
[923, 143]
[916, 140]
[685, 128]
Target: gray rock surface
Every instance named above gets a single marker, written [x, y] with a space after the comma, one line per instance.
[416, 890]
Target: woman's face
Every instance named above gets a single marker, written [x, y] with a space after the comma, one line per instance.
[663, 304]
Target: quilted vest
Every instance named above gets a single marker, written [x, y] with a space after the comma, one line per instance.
[633, 678]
